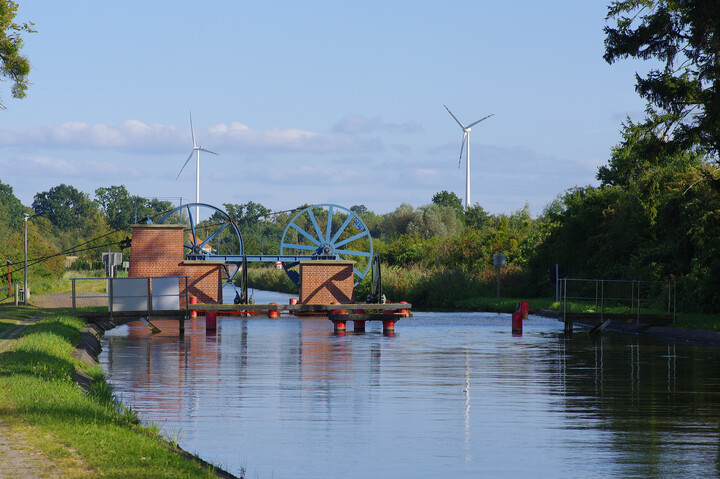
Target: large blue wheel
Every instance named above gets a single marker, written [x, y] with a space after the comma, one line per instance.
[324, 230]
[216, 235]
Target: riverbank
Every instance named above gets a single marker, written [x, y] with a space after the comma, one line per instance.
[58, 414]
[674, 333]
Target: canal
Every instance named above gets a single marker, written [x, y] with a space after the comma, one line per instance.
[449, 395]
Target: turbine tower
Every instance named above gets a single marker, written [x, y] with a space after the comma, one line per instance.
[196, 151]
[466, 141]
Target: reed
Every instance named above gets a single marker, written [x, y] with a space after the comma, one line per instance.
[270, 279]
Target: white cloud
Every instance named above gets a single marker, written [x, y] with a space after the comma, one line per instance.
[44, 166]
[134, 135]
[313, 176]
[357, 125]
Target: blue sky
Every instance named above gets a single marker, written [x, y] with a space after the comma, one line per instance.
[316, 102]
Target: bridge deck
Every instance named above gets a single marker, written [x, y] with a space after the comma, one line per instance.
[236, 308]
[295, 308]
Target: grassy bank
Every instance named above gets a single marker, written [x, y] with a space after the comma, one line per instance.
[85, 433]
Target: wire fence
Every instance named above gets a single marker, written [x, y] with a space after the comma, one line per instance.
[623, 297]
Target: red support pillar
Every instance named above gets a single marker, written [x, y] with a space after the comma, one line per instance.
[517, 322]
[210, 320]
[193, 300]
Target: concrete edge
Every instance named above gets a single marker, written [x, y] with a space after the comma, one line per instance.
[667, 332]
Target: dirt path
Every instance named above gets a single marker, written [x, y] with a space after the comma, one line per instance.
[17, 458]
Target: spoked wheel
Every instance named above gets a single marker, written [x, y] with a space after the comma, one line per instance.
[217, 235]
[324, 230]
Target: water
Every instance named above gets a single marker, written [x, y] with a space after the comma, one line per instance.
[449, 395]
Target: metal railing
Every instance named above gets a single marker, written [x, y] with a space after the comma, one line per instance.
[133, 294]
[624, 296]
[12, 295]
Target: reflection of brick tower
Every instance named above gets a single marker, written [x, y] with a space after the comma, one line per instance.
[157, 250]
[322, 282]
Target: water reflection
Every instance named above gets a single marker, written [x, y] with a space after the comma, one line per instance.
[451, 395]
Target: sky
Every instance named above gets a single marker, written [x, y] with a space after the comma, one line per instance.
[317, 101]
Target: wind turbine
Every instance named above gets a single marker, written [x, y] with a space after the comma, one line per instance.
[466, 140]
[195, 151]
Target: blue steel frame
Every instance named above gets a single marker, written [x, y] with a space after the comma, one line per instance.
[329, 246]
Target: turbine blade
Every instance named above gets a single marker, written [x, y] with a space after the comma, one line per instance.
[186, 162]
[207, 151]
[462, 145]
[192, 131]
[481, 119]
[451, 114]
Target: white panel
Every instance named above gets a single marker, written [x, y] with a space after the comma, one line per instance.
[165, 293]
[130, 294]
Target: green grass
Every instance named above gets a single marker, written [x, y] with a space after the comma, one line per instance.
[710, 322]
[64, 284]
[87, 434]
[11, 316]
[504, 305]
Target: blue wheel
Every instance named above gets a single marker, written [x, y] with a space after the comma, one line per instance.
[325, 230]
[217, 235]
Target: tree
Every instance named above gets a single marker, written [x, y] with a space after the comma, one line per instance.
[359, 210]
[476, 217]
[683, 96]
[12, 208]
[448, 199]
[395, 223]
[117, 205]
[640, 153]
[13, 65]
[65, 207]
[434, 220]
[249, 216]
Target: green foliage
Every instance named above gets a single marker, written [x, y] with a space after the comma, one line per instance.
[476, 217]
[444, 288]
[270, 279]
[359, 210]
[11, 210]
[13, 65]
[120, 209]
[682, 94]
[12, 236]
[427, 221]
[642, 151]
[66, 207]
[449, 200]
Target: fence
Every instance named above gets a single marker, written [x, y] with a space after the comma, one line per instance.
[10, 295]
[138, 294]
[624, 297]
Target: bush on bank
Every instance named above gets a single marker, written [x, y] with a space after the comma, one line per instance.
[432, 288]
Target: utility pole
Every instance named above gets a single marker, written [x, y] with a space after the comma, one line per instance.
[25, 286]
